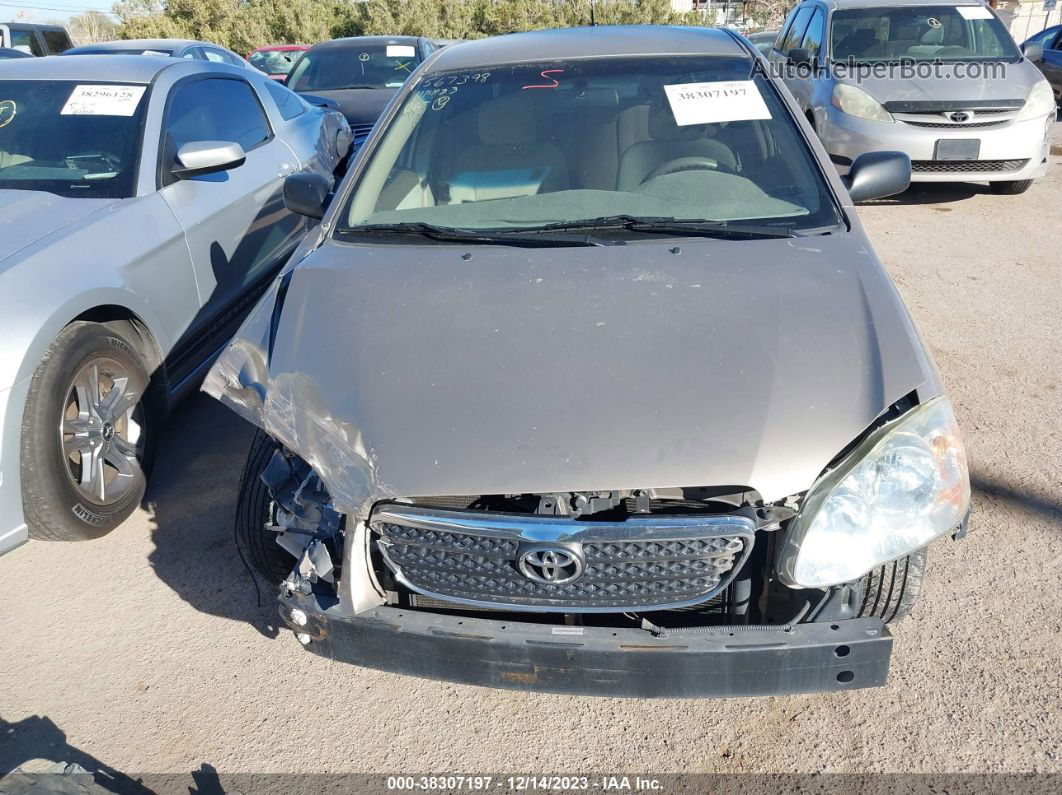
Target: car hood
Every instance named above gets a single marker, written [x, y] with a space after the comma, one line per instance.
[360, 106]
[27, 216]
[411, 370]
[952, 87]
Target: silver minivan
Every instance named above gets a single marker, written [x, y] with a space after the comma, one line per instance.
[942, 81]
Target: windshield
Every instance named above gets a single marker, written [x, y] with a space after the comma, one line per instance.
[70, 138]
[529, 146]
[275, 62]
[920, 33]
[355, 66]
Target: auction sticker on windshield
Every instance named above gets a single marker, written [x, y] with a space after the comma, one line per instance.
[974, 12]
[103, 100]
[707, 103]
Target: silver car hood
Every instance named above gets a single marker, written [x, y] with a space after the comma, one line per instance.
[408, 370]
[26, 216]
[949, 87]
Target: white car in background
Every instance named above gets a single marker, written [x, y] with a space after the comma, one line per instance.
[142, 209]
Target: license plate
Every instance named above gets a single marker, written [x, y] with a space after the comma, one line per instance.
[957, 149]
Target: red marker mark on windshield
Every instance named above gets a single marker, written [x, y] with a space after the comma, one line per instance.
[546, 75]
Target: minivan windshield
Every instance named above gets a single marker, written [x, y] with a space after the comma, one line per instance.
[920, 33]
[617, 142]
[354, 65]
[70, 138]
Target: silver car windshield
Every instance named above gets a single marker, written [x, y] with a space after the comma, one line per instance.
[532, 146]
[74, 139]
[356, 66]
[920, 33]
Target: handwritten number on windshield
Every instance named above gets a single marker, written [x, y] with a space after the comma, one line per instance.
[546, 75]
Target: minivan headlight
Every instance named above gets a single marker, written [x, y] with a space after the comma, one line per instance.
[857, 102]
[906, 485]
[1040, 102]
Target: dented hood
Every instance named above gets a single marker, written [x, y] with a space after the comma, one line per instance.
[408, 370]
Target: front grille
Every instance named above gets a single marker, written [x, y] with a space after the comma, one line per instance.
[953, 125]
[361, 132]
[642, 563]
[965, 166]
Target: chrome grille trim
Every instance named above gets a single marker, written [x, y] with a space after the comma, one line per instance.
[643, 563]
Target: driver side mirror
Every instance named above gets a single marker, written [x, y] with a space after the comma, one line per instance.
[306, 193]
[798, 56]
[1034, 52]
[207, 157]
[875, 175]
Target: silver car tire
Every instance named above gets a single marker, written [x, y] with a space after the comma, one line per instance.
[85, 435]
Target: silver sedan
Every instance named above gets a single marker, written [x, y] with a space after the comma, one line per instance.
[142, 215]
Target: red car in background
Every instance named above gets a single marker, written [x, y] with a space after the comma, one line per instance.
[276, 60]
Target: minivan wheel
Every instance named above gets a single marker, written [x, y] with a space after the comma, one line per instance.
[1010, 188]
[890, 591]
[84, 435]
[253, 509]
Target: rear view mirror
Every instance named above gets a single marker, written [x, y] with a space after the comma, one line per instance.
[875, 175]
[1034, 51]
[207, 157]
[321, 102]
[307, 194]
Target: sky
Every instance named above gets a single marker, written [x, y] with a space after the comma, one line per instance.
[41, 10]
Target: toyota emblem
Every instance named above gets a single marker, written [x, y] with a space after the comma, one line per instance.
[959, 116]
[551, 565]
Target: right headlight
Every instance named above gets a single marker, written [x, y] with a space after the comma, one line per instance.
[857, 102]
[1040, 102]
[906, 485]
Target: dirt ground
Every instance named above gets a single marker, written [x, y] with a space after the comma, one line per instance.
[146, 651]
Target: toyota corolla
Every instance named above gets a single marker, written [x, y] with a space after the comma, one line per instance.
[589, 380]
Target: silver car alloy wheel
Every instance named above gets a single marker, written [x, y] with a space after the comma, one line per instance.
[101, 431]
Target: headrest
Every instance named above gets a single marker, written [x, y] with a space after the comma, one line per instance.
[933, 36]
[860, 39]
[662, 126]
[508, 121]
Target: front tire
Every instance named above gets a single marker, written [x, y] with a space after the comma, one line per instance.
[84, 435]
[1010, 188]
[890, 591]
[253, 509]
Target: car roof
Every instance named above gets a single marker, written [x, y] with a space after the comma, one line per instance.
[141, 44]
[355, 41]
[595, 42]
[845, 4]
[32, 26]
[106, 68]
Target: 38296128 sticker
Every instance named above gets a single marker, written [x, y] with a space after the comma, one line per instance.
[708, 103]
[103, 100]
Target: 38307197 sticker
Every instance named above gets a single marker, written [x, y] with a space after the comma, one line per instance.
[708, 103]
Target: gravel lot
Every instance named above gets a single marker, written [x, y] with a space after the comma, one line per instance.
[147, 652]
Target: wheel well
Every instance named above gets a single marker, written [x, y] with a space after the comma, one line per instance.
[122, 318]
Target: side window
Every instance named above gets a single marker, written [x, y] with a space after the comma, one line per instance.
[56, 41]
[1058, 42]
[288, 102]
[215, 56]
[193, 54]
[783, 34]
[26, 40]
[796, 30]
[215, 109]
[815, 34]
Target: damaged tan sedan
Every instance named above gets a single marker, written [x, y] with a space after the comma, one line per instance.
[589, 381]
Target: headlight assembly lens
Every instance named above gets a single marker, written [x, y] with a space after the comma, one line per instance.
[906, 486]
[1040, 102]
[857, 102]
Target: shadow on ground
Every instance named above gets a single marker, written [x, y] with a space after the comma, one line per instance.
[932, 193]
[192, 497]
[1045, 506]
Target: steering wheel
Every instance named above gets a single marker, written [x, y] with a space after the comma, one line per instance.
[113, 163]
[692, 163]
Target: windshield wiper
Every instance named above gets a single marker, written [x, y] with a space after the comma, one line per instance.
[483, 236]
[675, 226]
